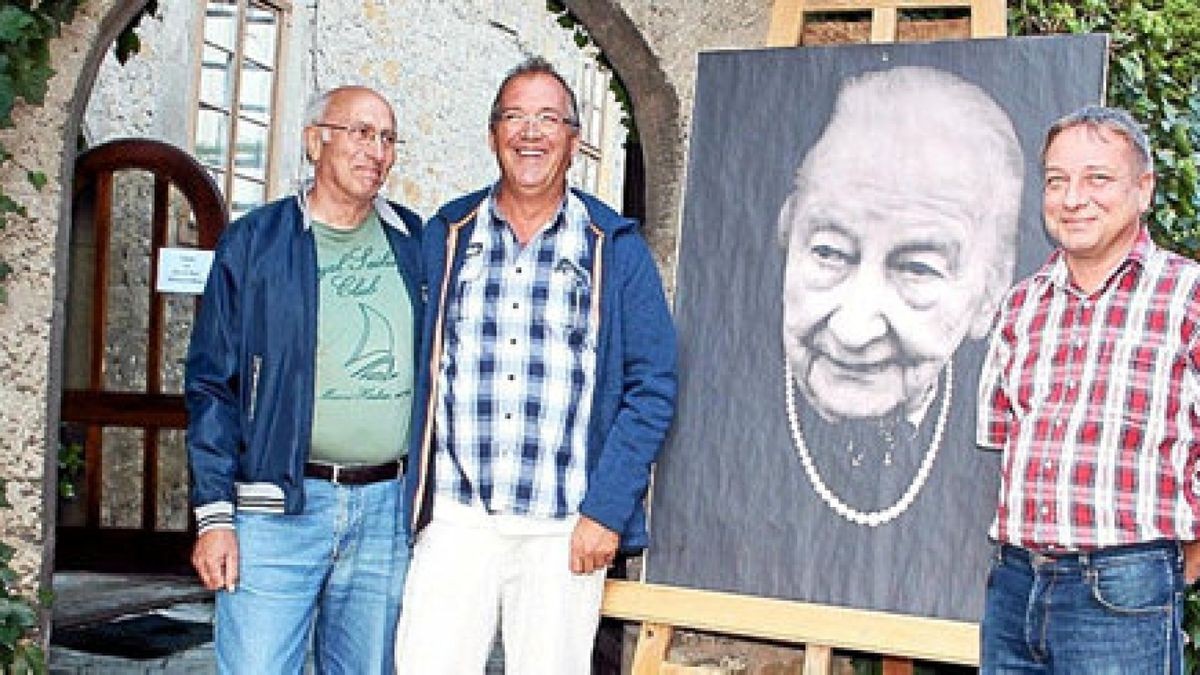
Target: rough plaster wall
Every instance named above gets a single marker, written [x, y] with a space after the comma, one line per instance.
[30, 244]
[150, 95]
[439, 63]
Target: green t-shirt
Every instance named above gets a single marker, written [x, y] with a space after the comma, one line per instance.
[364, 368]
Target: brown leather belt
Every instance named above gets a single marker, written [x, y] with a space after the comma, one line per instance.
[354, 474]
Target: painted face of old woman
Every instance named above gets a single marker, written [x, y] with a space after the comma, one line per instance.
[900, 240]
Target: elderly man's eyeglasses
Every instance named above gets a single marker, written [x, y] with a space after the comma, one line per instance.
[544, 121]
[364, 133]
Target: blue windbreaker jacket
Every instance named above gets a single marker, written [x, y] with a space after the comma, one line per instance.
[249, 380]
[634, 392]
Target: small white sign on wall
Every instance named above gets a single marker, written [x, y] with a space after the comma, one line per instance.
[182, 270]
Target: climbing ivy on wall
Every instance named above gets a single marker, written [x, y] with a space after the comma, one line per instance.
[25, 33]
[1154, 70]
[570, 22]
[26, 29]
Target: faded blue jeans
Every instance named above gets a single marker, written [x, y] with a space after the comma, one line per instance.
[335, 572]
[1117, 610]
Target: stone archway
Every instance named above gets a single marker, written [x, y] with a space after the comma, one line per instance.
[31, 323]
[656, 108]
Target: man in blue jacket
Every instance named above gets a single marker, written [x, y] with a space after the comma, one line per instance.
[299, 394]
[550, 387]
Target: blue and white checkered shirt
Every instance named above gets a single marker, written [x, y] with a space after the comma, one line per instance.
[518, 368]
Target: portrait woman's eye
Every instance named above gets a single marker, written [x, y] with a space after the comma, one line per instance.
[830, 256]
[920, 276]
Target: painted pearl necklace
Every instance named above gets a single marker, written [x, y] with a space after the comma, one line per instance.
[868, 518]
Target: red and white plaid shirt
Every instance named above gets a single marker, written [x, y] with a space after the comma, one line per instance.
[1095, 401]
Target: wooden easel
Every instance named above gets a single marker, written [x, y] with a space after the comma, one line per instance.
[821, 628]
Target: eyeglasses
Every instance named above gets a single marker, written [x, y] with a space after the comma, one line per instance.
[544, 121]
[364, 133]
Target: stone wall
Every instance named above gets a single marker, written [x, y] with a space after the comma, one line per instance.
[652, 43]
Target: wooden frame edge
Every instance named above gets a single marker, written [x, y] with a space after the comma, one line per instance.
[923, 638]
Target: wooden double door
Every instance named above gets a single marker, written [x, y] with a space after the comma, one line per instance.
[122, 467]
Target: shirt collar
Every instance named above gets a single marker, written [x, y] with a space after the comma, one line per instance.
[1055, 273]
[383, 208]
[570, 211]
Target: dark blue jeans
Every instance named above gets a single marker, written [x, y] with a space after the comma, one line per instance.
[1117, 610]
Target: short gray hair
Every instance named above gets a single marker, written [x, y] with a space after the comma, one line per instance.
[928, 103]
[1116, 120]
[535, 65]
[318, 105]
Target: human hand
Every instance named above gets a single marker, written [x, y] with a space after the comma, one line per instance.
[593, 546]
[215, 558]
[1191, 561]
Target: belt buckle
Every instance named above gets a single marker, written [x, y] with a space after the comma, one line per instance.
[336, 477]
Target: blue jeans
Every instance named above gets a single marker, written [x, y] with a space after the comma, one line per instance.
[1117, 610]
[335, 571]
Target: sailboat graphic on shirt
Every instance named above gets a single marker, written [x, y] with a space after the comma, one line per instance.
[373, 357]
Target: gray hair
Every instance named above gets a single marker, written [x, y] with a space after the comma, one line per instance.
[1116, 120]
[535, 65]
[318, 105]
[928, 105]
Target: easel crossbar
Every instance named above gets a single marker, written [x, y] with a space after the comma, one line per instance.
[788, 621]
[859, 5]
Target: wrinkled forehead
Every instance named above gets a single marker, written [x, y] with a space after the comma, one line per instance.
[361, 105]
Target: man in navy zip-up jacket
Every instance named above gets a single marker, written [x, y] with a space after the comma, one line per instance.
[547, 389]
[299, 393]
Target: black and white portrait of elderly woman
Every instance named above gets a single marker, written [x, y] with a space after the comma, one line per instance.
[901, 241]
[852, 217]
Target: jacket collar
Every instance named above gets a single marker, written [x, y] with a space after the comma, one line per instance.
[600, 214]
[387, 214]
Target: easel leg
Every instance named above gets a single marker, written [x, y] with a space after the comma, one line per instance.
[651, 652]
[818, 660]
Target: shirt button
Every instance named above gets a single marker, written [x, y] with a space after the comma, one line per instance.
[1047, 464]
[508, 416]
[518, 270]
[511, 377]
[1045, 510]
[516, 305]
[1070, 384]
[513, 341]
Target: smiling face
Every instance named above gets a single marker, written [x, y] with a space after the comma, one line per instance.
[878, 293]
[533, 158]
[900, 240]
[1093, 195]
[348, 171]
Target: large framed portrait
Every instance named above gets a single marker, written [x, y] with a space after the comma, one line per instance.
[853, 217]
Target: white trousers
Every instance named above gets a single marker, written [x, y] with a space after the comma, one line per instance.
[470, 570]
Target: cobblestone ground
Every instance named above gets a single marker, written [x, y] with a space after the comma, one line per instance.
[196, 661]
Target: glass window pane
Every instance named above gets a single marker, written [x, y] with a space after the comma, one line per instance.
[251, 158]
[262, 32]
[216, 78]
[212, 138]
[247, 194]
[220, 23]
[256, 92]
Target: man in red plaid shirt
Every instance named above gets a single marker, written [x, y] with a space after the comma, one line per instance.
[1091, 388]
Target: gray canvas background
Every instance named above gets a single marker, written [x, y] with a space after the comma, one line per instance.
[732, 509]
